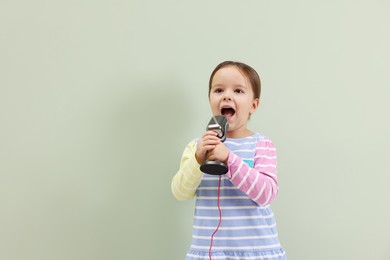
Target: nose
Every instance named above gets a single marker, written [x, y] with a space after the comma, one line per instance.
[227, 96]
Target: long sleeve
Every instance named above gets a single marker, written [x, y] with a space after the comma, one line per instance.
[189, 176]
[260, 182]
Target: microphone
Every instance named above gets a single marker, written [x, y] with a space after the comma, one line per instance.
[219, 125]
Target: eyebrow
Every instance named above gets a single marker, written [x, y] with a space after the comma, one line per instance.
[236, 86]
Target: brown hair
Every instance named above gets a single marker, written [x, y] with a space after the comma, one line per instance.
[248, 71]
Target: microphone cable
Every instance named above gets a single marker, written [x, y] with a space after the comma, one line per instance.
[220, 216]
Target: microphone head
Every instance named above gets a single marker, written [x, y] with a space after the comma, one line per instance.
[220, 125]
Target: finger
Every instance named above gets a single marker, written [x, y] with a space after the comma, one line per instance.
[210, 133]
[209, 148]
[210, 137]
[211, 142]
[211, 157]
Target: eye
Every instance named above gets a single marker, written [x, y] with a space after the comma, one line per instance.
[239, 91]
[218, 90]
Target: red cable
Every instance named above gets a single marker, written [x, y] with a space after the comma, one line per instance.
[220, 217]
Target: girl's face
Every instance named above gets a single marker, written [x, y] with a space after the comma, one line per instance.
[231, 95]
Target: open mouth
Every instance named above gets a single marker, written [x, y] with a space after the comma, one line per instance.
[228, 111]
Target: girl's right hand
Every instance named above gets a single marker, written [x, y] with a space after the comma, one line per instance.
[206, 143]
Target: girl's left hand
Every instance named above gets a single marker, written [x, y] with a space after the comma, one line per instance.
[219, 153]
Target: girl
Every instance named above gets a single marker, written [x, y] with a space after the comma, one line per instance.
[233, 218]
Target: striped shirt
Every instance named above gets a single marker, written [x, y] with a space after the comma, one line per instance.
[247, 228]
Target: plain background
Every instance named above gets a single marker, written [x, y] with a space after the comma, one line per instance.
[99, 98]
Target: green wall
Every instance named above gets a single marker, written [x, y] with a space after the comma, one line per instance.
[99, 98]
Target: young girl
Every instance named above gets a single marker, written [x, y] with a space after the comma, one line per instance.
[233, 218]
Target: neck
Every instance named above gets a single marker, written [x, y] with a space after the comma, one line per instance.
[239, 134]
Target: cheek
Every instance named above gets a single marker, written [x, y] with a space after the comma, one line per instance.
[213, 101]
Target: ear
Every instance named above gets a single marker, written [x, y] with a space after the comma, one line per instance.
[255, 105]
